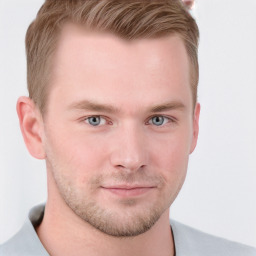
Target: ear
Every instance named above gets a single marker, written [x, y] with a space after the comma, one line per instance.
[195, 127]
[31, 126]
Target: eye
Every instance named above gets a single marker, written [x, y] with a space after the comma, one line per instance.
[95, 120]
[159, 120]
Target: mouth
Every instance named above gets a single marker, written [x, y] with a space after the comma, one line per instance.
[128, 191]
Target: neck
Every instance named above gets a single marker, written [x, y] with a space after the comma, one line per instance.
[62, 232]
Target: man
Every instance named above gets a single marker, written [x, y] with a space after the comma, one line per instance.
[113, 110]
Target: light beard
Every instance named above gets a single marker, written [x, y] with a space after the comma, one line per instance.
[110, 223]
[129, 220]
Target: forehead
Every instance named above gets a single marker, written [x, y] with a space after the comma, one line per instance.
[80, 42]
[90, 64]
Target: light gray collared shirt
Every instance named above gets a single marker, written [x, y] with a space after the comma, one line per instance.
[188, 241]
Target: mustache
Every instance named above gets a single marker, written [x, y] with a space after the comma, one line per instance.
[129, 178]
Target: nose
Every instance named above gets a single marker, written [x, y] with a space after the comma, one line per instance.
[130, 151]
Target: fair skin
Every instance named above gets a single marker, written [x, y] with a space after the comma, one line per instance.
[119, 128]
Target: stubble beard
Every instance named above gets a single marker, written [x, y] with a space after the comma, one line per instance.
[127, 221]
[109, 222]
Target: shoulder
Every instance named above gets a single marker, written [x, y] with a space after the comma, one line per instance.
[192, 242]
[15, 245]
[12, 246]
[24, 243]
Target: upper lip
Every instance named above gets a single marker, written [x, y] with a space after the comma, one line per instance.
[127, 187]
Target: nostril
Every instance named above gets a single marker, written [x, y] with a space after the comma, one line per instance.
[130, 167]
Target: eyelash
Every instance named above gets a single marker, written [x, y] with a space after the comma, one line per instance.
[97, 116]
[169, 120]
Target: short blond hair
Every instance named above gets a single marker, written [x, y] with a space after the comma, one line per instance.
[128, 19]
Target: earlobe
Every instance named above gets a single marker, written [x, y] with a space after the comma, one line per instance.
[195, 127]
[31, 126]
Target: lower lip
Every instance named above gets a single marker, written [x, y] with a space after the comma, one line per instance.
[129, 192]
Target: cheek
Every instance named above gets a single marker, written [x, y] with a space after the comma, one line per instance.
[171, 156]
[74, 154]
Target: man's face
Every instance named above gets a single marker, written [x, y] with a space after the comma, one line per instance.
[119, 128]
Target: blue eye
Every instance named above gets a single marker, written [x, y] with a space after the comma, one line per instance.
[95, 120]
[159, 120]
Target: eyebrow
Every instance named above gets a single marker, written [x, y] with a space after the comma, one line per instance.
[94, 106]
[168, 106]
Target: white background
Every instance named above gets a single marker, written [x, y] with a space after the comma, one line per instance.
[219, 195]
